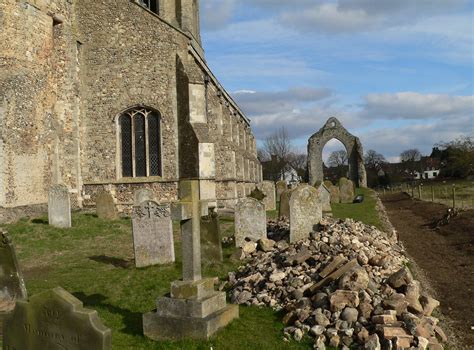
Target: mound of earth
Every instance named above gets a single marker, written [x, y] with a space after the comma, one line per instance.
[444, 254]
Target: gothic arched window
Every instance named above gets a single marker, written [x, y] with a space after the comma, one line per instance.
[140, 143]
[152, 5]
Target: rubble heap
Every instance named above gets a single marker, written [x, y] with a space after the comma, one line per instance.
[346, 286]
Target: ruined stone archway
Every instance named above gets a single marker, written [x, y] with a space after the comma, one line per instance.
[333, 129]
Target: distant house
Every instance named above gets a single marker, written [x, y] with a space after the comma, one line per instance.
[430, 169]
[277, 169]
[290, 175]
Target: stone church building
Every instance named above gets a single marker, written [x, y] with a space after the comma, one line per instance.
[115, 95]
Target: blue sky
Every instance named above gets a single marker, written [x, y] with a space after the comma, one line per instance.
[397, 73]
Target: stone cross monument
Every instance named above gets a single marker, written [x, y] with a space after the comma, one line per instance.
[194, 310]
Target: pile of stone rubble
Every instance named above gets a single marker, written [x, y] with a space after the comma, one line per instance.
[347, 286]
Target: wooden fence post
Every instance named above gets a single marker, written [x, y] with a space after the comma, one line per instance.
[454, 196]
[432, 194]
[419, 192]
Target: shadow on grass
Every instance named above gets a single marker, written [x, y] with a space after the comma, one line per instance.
[109, 260]
[40, 221]
[132, 320]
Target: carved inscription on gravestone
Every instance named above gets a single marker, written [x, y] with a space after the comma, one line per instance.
[59, 206]
[152, 234]
[250, 221]
[55, 320]
[142, 195]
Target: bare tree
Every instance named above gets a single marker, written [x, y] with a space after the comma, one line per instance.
[411, 160]
[278, 144]
[373, 159]
[410, 155]
[338, 158]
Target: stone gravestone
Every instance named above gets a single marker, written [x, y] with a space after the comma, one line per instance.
[250, 221]
[105, 206]
[142, 195]
[346, 190]
[12, 286]
[59, 206]
[211, 244]
[268, 189]
[152, 229]
[334, 191]
[280, 188]
[305, 212]
[55, 320]
[325, 196]
[284, 211]
[194, 309]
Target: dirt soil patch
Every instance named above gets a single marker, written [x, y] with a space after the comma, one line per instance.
[445, 255]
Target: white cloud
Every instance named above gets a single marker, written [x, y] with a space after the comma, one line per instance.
[413, 105]
[216, 14]
[255, 103]
[348, 16]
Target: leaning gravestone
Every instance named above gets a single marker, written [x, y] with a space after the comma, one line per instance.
[142, 195]
[325, 196]
[105, 206]
[268, 189]
[250, 221]
[59, 206]
[152, 234]
[305, 212]
[334, 191]
[284, 210]
[211, 244]
[55, 320]
[12, 286]
[280, 188]
[346, 189]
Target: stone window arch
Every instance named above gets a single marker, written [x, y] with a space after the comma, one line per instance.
[139, 133]
[152, 5]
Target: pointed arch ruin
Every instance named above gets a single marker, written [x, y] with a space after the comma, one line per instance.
[333, 129]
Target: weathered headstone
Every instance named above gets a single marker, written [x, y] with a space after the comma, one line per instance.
[194, 310]
[268, 189]
[211, 244]
[142, 195]
[280, 188]
[55, 320]
[325, 196]
[284, 210]
[250, 221]
[12, 285]
[346, 190]
[305, 212]
[152, 229]
[105, 206]
[59, 206]
[334, 191]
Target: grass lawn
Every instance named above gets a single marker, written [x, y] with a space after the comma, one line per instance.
[94, 261]
[365, 211]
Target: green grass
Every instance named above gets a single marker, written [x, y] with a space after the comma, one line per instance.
[365, 211]
[94, 261]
